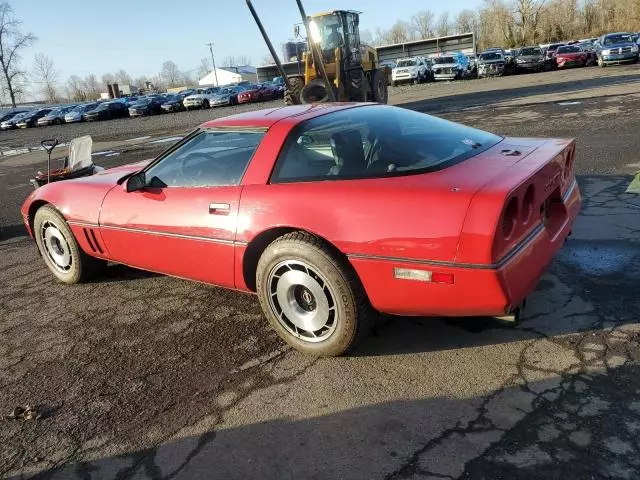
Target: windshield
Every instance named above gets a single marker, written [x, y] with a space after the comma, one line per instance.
[327, 30]
[554, 47]
[620, 38]
[444, 60]
[143, 101]
[103, 106]
[57, 111]
[406, 63]
[491, 56]
[569, 49]
[375, 141]
[530, 51]
[225, 91]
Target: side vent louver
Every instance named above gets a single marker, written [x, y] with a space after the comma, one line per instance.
[92, 240]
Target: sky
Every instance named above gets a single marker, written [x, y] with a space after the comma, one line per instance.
[99, 36]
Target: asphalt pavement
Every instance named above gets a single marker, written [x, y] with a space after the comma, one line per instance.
[143, 376]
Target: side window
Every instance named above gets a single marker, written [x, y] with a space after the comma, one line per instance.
[210, 158]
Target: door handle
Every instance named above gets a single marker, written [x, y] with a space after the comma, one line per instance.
[219, 208]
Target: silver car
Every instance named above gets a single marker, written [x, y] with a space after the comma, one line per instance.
[75, 115]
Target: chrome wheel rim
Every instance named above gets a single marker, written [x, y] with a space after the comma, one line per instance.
[56, 247]
[302, 301]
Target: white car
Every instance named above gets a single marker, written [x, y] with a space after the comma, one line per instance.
[414, 69]
[202, 99]
[448, 67]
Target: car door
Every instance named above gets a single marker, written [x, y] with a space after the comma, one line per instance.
[184, 222]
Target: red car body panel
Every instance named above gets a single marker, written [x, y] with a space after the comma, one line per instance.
[449, 222]
[577, 58]
[257, 95]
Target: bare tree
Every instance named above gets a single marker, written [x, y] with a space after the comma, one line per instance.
[91, 87]
[141, 81]
[75, 89]
[12, 41]
[267, 60]
[232, 61]
[108, 78]
[466, 21]
[527, 14]
[46, 76]
[170, 74]
[204, 68]
[443, 26]
[422, 24]
[400, 32]
[122, 77]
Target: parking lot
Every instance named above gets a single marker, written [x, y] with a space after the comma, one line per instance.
[143, 376]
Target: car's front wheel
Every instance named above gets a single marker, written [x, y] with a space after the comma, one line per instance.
[311, 297]
[205, 104]
[59, 248]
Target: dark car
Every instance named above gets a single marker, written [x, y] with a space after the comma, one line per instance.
[146, 106]
[107, 111]
[614, 48]
[8, 120]
[530, 59]
[31, 118]
[56, 116]
[173, 103]
[550, 53]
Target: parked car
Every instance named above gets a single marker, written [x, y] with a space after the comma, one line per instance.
[76, 114]
[491, 64]
[496, 235]
[258, 93]
[146, 106]
[128, 101]
[202, 99]
[227, 96]
[448, 67]
[614, 48]
[572, 56]
[8, 120]
[550, 53]
[413, 69]
[173, 103]
[31, 118]
[530, 59]
[56, 116]
[107, 111]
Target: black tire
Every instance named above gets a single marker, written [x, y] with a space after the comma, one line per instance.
[417, 80]
[352, 316]
[205, 104]
[292, 96]
[81, 267]
[379, 90]
[57, 121]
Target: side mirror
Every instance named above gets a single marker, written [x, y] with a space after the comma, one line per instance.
[135, 182]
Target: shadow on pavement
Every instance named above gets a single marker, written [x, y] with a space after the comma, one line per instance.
[465, 100]
[12, 231]
[583, 426]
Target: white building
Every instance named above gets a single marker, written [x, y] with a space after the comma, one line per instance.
[226, 76]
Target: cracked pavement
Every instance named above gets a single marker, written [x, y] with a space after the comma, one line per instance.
[144, 376]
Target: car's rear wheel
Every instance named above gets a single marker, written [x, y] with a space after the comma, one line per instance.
[60, 250]
[311, 297]
[205, 104]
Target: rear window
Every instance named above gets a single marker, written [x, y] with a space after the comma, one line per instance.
[406, 63]
[570, 49]
[375, 141]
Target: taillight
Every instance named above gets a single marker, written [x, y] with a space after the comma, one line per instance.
[527, 204]
[509, 218]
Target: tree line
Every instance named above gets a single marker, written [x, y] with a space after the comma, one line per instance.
[512, 23]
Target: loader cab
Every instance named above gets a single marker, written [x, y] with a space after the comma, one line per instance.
[337, 29]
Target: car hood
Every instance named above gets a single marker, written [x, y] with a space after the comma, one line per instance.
[529, 58]
[172, 102]
[444, 65]
[489, 62]
[618, 45]
[141, 106]
[198, 96]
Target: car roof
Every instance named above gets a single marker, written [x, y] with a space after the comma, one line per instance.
[270, 116]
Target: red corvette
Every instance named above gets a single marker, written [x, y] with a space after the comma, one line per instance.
[571, 56]
[327, 212]
[259, 93]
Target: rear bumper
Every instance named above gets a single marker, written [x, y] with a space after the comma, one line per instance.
[477, 290]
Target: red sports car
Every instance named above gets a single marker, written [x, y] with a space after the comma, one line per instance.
[572, 56]
[328, 212]
[258, 94]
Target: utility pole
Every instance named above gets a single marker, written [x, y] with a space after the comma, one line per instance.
[213, 62]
